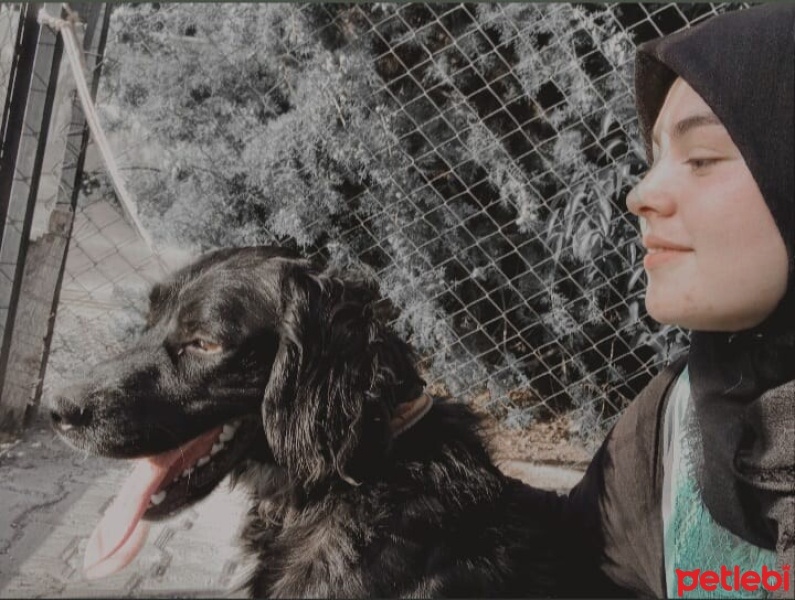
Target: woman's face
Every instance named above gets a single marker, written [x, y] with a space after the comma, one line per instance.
[715, 259]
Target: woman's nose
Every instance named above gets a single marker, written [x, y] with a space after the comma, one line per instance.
[652, 195]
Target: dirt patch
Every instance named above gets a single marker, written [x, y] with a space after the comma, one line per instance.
[551, 441]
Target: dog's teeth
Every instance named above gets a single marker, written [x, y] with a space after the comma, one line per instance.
[187, 472]
[228, 433]
[158, 498]
[202, 461]
[216, 449]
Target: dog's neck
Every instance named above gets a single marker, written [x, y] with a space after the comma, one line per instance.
[408, 414]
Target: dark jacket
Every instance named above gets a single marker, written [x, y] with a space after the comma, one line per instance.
[616, 507]
[615, 511]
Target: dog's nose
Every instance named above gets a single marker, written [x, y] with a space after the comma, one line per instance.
[66, 414]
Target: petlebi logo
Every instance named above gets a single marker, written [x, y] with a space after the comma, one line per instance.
[732, 579]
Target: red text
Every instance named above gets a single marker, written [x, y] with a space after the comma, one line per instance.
[732, 579]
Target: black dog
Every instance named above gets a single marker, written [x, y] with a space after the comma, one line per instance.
[257, 364]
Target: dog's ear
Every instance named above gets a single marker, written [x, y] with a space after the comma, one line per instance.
[336, 380]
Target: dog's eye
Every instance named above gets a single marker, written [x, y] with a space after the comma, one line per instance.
[203, 346]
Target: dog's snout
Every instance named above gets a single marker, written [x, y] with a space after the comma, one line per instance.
[67, 414]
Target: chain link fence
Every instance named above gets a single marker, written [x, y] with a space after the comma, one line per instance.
[473, 158]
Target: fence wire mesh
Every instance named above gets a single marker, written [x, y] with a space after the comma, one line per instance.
[473, 158]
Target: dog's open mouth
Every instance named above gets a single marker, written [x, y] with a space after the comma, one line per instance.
[159, 486]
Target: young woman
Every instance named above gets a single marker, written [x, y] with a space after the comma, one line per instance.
[698, 475]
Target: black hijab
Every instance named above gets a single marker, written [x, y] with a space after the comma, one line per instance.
[743, 65]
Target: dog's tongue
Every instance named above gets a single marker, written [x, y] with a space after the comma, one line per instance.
[121, 534]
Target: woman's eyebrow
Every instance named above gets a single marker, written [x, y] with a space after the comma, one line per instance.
[690, 123]
[687, 124]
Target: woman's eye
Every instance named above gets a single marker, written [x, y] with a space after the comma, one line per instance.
[701, 163]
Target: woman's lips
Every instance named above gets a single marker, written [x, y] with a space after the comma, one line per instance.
[661, 256]
[661, 251]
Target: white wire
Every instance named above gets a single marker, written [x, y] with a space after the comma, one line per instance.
[74, 55]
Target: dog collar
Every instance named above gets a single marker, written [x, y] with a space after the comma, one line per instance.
[409, 413]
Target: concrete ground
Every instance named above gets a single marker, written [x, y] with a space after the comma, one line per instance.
[52, 497]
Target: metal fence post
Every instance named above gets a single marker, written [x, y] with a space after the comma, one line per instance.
[38, 270]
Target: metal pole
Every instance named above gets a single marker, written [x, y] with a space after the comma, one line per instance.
[38, 269]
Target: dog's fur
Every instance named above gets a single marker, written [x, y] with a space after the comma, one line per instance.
[341, 506]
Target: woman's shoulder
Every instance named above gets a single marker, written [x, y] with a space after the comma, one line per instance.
[642, 421]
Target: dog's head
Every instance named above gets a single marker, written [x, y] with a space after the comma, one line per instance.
[248, 354]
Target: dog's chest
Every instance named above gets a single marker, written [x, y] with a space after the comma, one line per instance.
[297, 557]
